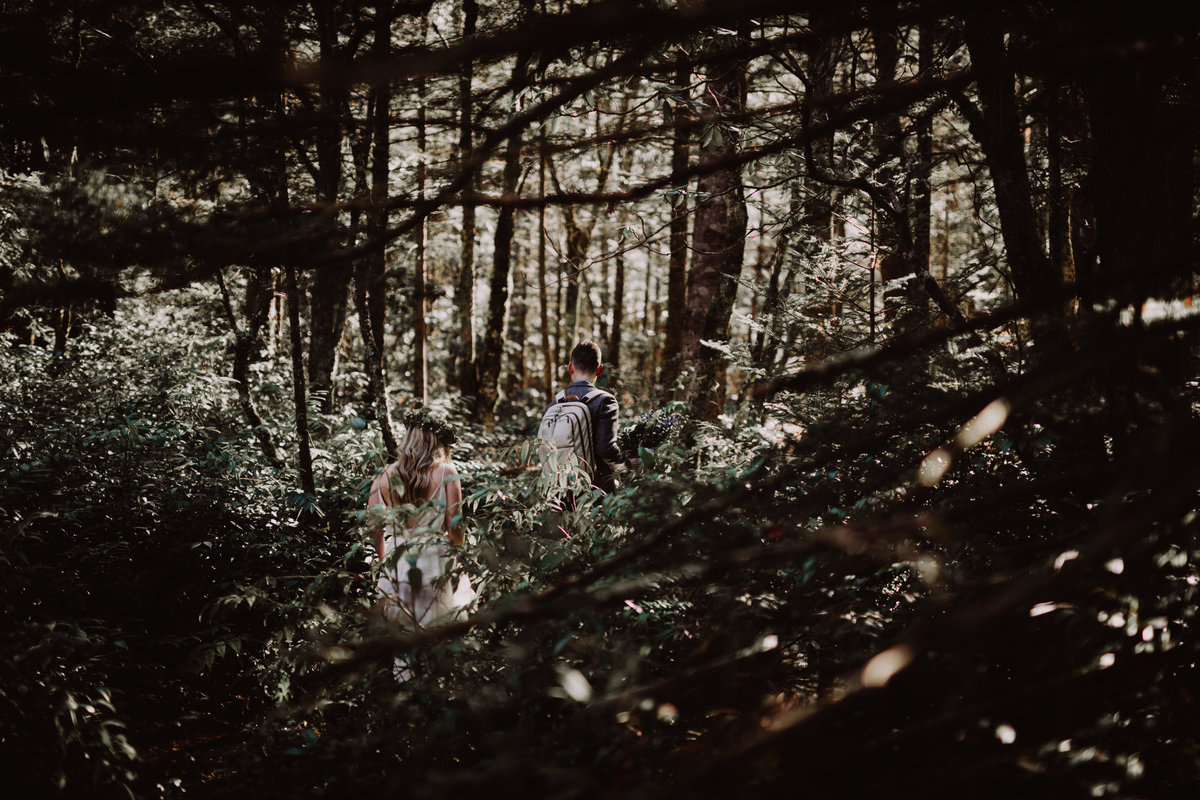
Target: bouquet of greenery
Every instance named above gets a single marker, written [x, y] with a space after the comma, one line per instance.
[649, 432]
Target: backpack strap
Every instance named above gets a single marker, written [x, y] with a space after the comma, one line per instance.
[574, 398]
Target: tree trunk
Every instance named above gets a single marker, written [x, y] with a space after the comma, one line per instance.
[762, 352]
[543, 293]
[1141, 184]
[922, 166]
[468, 378]
[517, 329]
[488, 363]
[996, 125]
[601, 315]
[420, 301]
[256, 308]
[618, 318]
[895, 243]
[375, 374]
[677, 319]
[618, 294]
[579, 240]
[329, 284]
[298, 384]
[374, 280]
[62, 328]
[719, 233]
[1142, 175]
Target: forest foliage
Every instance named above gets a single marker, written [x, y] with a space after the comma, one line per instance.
[898, 299]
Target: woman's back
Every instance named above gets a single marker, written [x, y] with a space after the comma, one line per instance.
[416, 582]
[433, 511]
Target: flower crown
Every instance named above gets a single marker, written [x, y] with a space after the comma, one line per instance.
[423, 418]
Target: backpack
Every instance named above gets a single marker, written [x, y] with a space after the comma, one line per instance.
[567, 434]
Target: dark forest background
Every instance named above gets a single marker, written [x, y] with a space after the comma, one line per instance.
[918, 279]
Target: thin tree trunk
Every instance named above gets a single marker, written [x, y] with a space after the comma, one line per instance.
[490, 356]
[329, 284]
[298, 384]
[922, 169]
[517, 329]
[375, 375]
[543, 291]
[1064, 123]
[768, 334]
[257, 307]
[618, 317]
[601, 316]
[420, 379]
[618, 293]
[557, 319]
[578, 241]
[895, 237]
[62, 329]
[1142, 178]
[719, 233]
[468, 378]
[996, 125]
[677, 117]
[579, 237]
[375, 280]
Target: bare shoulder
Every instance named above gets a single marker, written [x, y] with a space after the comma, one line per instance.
[385, 475]
[449, 471]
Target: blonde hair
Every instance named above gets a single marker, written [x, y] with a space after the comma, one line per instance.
[419, 453]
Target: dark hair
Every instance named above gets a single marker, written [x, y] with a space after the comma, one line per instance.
[586, 356]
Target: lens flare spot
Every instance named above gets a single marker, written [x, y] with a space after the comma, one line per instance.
[880, 669]
[984, 424]
[934, 467]
[1064, 557]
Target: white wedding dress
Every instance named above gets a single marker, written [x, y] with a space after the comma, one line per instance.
[416, 580]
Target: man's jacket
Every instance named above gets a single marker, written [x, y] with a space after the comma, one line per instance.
[604, 427]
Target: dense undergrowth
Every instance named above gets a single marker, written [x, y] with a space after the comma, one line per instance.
[805, 595]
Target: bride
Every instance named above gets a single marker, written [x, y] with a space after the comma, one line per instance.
[417, 501]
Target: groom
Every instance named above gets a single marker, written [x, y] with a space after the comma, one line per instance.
[584, 369]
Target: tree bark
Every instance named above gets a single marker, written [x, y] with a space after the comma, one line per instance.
[375, 374]
[618, 319]
[898, 258]
[922, 166]
[996, 125]
[420, 334]
[468, 378]
[1142, 174]
[327, 304]
[543, 290]
[579, 239]
[517, 329]
[256, 308]
[374, 281]
[618, 294]
[488, 362]
[677, 319]
[299, 391]
[763, 350]
[719, 232]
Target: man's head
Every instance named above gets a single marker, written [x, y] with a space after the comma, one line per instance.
[585, 362]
